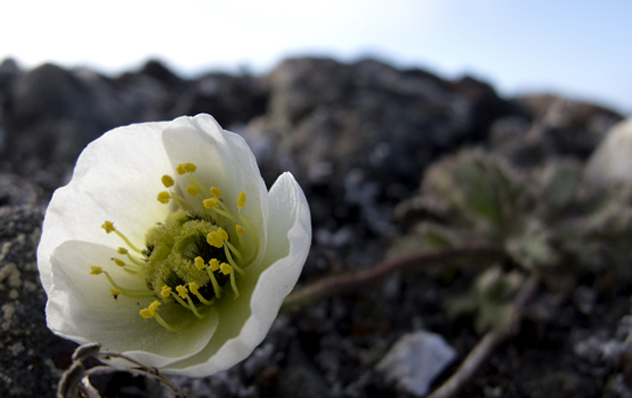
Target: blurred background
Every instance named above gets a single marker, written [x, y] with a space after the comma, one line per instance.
[577, 48]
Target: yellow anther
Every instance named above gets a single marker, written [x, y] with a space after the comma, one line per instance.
[115, 292]
[241, 199]
[150, 311]
[95, 270]
[214, 264]
[225, 268]
[216, 192]
[122, 250]
[118, 262]
[163, 197]
[182, 291]
[223, 234]
[210, 203]
[166, 291]
[167, 181]
[215, 239]
[240, 230]
[186, 168]
[193, 287]
[108, 226]
[199, 263]
[192, 190]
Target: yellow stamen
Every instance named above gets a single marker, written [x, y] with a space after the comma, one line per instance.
[165, 292]
[186, 304]
[193, 190]
[194, 288]
[150, 311]
[210, 203]
[182, 291]
[95, 270]
[121, 250]
[108, 226]
[115, 293]
[199, 263]
[214, 264]
[225, 268]
[223, 234]
[163, 197]
[186, 168]
[240, 230]
[216, 192]
[241, 199]
[167, 181]
[118, 262]
[215, 239]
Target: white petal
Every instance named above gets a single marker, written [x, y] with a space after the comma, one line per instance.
[223, 160]
[80, 308]
[117, 178]
[245, 322]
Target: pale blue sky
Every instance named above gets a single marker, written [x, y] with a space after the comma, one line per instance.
[581, 48]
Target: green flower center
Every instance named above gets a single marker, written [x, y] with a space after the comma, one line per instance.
[189, 260]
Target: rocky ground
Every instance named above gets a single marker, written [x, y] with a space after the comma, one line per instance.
[359, 138]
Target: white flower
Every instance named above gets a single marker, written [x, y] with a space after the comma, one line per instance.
[166, 246]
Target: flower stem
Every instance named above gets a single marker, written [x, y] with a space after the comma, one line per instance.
[338, 284]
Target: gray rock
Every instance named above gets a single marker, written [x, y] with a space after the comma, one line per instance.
[368, 115]
[416, 360]
[31, 357]
[550, 127]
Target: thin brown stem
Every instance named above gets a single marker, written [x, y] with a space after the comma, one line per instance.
[486, 345]
[338, 284]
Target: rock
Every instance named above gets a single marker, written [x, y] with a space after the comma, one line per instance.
[53, 113]
[334, 118]
[32, 357]
[611, 162]
[416, 360]
[16, 191]
[617, 387]
[232, 100]
[549, 126]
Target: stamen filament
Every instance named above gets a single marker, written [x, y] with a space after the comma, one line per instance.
[203, 300]
[133, 293]
[182, 201]
[194, 288]
[254, 238]
[229, 257]
[130, 271]
[234, 250]
[130, 244]
[225, 212]
[179, 300]
[203, 190]
[216, 288]
[193, 308]
[165, 325]
[133, 260]
[234, 285]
